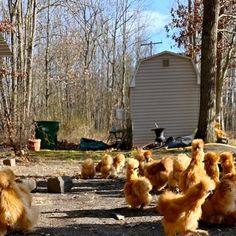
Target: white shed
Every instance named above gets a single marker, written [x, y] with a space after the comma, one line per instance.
[164, 90]
[4, 49]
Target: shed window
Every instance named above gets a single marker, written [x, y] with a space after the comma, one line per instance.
[166, 63]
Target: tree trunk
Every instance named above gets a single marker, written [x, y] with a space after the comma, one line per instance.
[32, 25]
[124, 61]
[222, 68]
[208, 74]
[13, 7]
[47, 61]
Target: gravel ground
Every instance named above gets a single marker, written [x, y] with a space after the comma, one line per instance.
[94, 206]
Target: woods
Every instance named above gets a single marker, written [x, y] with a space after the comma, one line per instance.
[72, 61]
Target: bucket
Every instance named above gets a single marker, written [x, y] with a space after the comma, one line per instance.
[120, 114]
[34, 144]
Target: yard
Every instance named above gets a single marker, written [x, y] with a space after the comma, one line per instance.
[94, 206]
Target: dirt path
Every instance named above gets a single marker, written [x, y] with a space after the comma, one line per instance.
[92, 207]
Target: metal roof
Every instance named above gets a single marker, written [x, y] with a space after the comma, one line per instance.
[4, 48]
[166, 52]
[132, 81]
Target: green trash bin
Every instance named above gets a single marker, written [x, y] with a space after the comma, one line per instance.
[47, 132]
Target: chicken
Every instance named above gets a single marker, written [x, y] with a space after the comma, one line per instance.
[181, 212]
[158, 172]
[211, 166]
[180, 163]
[118, 163]
[195, 170]
[143, 156]
[220, 134]
[136, 188]
[17, 211]
[220, 207]
[107, 168]
[227, 162]
[98, 166]
[148, 155]
[88, 169]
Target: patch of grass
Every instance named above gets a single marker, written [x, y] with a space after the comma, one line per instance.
[7, 154]
[66, 155]
[76, 155]
[232, 142]
[72, 155]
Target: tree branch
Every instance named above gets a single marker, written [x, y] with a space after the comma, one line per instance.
[227, 15]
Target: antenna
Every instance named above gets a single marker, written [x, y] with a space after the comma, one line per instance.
[151, 45]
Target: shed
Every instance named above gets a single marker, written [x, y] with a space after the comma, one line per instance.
[4, 48]
[164, 90]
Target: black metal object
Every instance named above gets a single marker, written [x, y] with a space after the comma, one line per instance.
[159, 140]
[47, 132]
[159, 132]
[117, 138]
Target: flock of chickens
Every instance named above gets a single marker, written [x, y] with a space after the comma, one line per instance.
[193, 188]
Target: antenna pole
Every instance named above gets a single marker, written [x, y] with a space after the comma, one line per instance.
[151, 45]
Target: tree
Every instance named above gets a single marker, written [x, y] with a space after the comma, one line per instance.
[77, 58]
[225, 48]
[208, 73]
[6, 94]
[186, 26]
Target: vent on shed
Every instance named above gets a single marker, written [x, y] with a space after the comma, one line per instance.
[165, 63]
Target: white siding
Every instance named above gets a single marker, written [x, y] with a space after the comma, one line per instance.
[4, 49]
[168, 96]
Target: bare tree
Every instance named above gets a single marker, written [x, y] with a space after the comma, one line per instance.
[76, 59]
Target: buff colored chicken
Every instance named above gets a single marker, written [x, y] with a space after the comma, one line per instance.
[98, 166]
[180, 163]
[118, 163]
[211, 160]
[143, 156]
[88, 169]
[158, 172]
[195, 172]
[17, 210]
[220, 207]
[181, 212]
[106, 167]
[136, 188]
[148, 155]
[227, 162]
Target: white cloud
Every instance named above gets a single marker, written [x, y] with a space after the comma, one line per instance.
[155, 21]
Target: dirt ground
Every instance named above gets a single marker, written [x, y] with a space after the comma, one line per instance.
[93, 206]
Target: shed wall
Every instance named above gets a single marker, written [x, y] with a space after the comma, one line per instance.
[168, 96]
[4, 49]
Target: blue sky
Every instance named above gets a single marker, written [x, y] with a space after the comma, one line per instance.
[159, 12]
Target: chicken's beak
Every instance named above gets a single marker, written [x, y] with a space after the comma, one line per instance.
[210, 192]
[199, 149]
[136, 170]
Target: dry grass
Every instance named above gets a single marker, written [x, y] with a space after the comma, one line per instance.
[232, 142]
[76, 129]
